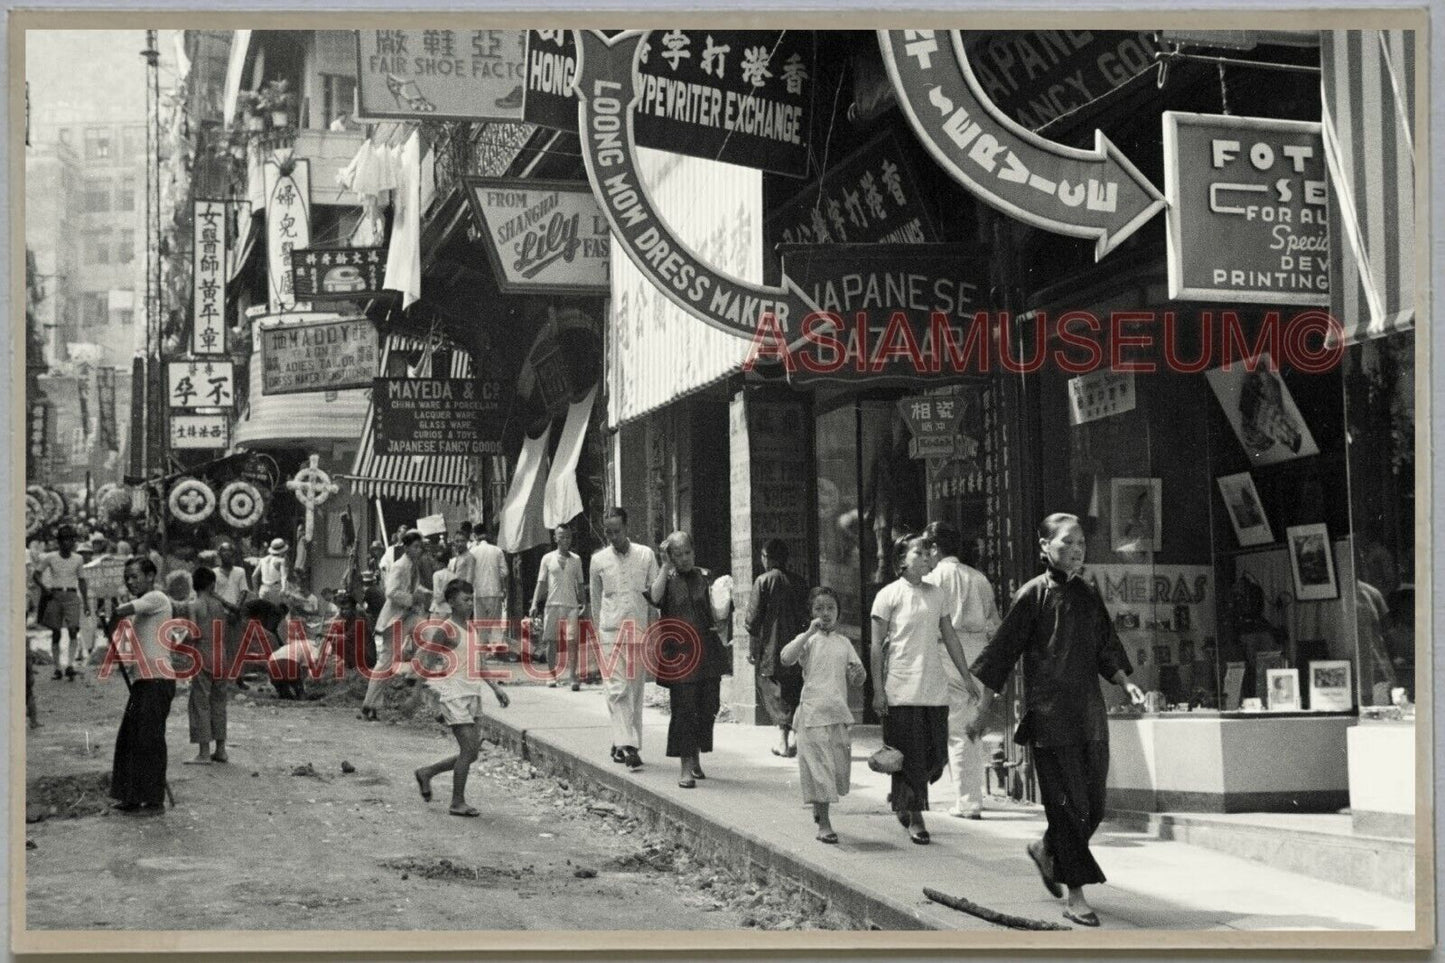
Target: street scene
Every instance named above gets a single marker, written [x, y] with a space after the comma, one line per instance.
[489, 479]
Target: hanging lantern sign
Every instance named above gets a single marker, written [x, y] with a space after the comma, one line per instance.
[191, 501]
[241, 504]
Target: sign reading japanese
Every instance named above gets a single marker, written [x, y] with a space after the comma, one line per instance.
[1247, 209]
[318, 356]
[739, 96]
[337, 274]
[288, 226]
[1100, 394]
[105, 402]
[201, 431]
[200, 384]
[544, 236]
[208, 278]
[441, 74]
[438, 416]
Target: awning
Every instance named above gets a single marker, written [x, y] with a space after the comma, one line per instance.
[447, 478]
[303, 417]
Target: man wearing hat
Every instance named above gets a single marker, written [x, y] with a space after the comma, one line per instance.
[63, 595]
[271, 574]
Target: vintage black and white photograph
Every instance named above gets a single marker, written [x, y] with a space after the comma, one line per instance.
[507, 481]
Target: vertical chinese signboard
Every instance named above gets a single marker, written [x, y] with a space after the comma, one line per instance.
[208, 265]
[288, 226]
[35, 466]
[105, 401]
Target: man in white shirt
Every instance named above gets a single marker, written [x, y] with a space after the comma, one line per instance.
[63, 596]
[138, 775]
[404, 596]
[231, 584]
[974, 613]
[622, 574]
[563, 591]
[489, 581]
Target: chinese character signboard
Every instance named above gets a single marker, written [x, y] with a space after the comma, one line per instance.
[208, 277]
[39, 440]
[200, 384]
[105, 401]
[1100, 394]
[337, 274]
[441, 74]
[934, 421]
[543, 236]
[288, 226]
[318, 356]
[739, 96]
[201, 431]
[1247, 209]
[438, 416]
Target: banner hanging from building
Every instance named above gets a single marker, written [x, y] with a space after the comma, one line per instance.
[318, 356]
[338, 274]
[105, 403]
[543, 236]
[39, 447]
[288, 226]
[441, 74]
[200, 431]
[439, 416]
[208, 278]
[200, 384]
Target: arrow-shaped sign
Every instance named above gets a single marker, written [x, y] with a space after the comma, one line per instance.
[606, 88]
[1084, 193]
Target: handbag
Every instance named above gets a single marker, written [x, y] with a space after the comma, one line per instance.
[886, 760]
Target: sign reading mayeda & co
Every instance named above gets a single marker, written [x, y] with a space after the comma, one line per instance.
[438, 416]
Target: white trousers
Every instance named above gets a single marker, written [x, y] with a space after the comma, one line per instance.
[623, 680]
[965, 756]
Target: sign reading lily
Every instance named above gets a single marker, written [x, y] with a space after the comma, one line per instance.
[543, 236]
[1094, 194]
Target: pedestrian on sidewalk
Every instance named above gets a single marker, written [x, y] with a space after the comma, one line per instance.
[693, 678]
[1060, 628]
[829, 666]
[777, 612]
[206, 704]
[404, 599]
[138, 772]
[622, 575]
[63, 597]
[489, 579]
[231, 583]
[560, 595]
[912, 634]
[458, 687]
[971, 608]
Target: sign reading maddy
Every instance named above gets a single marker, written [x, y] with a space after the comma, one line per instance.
[318, 356]
[1096, 194]
[1247, 218]
[440, 74]
[337, 274]
[743, 97]
[543, 236]
[438, 416]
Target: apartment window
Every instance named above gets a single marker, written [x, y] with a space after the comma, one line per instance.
[94, 309]
[97, 196]
[125, 249]
[338, 96]
[125, 193]
[122, 317]
[97, 143]
[97, 249]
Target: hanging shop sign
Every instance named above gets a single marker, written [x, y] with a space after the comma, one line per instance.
[907, 312]
[318, 356]
[105, 403]
[39, 446]
[871, 197]
[104, 577]
[608, 85]
[208, 278]
[191, 501]
[260, 470]
[288, 227]
[1248, 209]
[542, 237]
[200, 384]
[241, 504]
[337, 274]
[200, 431]
[1096, 194]
[439, 416]
[1100, 394]
[743, 97]
[440, 74]
[935, 421]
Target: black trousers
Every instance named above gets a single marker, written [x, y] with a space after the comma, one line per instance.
[694, 709]
[1072, 783]
[921, 734]
[138, 774]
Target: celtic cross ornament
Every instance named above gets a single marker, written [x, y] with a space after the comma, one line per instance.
[312, 487]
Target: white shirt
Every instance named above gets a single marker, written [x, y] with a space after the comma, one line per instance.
[826, 659]
[440, 579]
[152, 610]
[271, 570]
[231, 585]
[61, 573]
[618, 586]
[913, 663]
[401, 582]
[464, 681]
[969, 603]
[490, 573]
[560, 580]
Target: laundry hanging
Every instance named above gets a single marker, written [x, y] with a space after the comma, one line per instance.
[520, 525]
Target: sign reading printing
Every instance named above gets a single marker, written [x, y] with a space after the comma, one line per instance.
[543, 236]
[208, 279]
[440, 74]
[1247, 209]
[200, 384]
[338, 273]
[438, 416]
[743, 97]
[200, 431]
[318, 356]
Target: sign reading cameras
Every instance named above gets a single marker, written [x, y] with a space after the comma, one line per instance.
[1247, 209]
[543, 236]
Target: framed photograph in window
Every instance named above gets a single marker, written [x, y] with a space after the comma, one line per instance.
[1241, 501]
[1312, 562]
[1283, 691]
[1330, 689]
[1136, 508]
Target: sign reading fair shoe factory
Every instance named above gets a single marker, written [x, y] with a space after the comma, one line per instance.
[743, 97]
[1247, 209]
[440, 74]
[318, 356]
[439, 416]
[543, 236]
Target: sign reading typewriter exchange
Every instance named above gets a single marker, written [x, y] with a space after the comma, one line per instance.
[543, 236]
[318, 356]
[337, 274]
[438, 416]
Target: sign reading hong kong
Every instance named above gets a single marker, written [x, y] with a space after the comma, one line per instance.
[543, 236]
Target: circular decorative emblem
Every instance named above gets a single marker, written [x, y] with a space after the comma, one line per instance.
[191, 501]
[312, 485]
[34, 513]
[55, 506]
[241, 504]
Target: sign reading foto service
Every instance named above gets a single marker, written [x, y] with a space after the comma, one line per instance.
[543, 236]
[1247, 209]
[318, 356]
[438, 416]
[440, 74]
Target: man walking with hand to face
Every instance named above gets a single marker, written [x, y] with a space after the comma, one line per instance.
[622, 574]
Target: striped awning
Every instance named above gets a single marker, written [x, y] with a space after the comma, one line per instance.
[1368, 86]
[447, 478]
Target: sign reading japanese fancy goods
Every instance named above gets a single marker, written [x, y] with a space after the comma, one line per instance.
[438, 416]
[740, 96]
[1247, 209]
[201, 431]
[318, 356]
[200, 384]
[337, 274]
[440, 74]
[288, 226]
[1096, 194]
[208, 277]
[543, 236]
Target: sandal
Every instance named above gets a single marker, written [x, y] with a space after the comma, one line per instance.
[697, 772]
[1083, 919]
[1055, 890]
[424, 785]
[920, 837]
[687, 784]
[467, 812]
[831, 838]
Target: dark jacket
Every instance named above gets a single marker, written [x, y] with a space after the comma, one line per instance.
[685, 598]
[777, 612]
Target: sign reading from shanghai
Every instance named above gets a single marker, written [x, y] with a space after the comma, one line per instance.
[440, 74]
[200, 384]
[318, 356]
[1247, 216]
[337, 274]
[438, 416]
[543, 236]
[208, 287]
[201, 431]
[743, 97]
[288, 226]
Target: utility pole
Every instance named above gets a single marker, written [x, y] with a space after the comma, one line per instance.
[152, 402]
